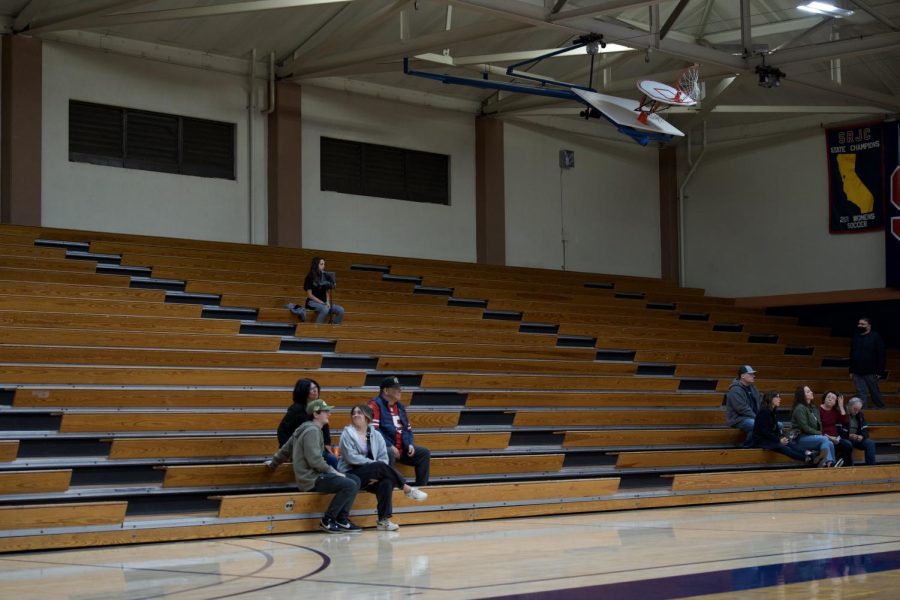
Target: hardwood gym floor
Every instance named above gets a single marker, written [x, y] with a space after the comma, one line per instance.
[841, 547]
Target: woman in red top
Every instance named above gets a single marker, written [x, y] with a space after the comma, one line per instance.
[834, 425]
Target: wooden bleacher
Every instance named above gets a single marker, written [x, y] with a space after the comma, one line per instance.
[142, 379]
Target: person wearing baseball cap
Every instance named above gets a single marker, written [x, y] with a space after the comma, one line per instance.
[389, 417]
[742, 403]
[313, 474]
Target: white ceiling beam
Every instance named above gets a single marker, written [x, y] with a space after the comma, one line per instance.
[787, 109]
[871, 44]
[613, 33]
[766, 29]
[885, 101]
[599, 10]
[746, 32]
[173, 14]
[874, 13]
[396, 50]
[322, 44]
[824, 23]
[67, 18]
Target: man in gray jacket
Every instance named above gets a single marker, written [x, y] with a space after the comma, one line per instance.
[742, 403]
[313, 474]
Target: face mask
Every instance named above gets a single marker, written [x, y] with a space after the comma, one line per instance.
[861, 328]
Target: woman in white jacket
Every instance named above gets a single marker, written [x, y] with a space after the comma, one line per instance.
[364, 454]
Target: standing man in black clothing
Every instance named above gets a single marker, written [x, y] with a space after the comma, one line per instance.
[867, 362]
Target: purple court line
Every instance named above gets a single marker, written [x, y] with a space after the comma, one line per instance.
[728, 580]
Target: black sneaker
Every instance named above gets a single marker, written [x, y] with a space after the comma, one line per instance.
[329, 526]
[348, 526]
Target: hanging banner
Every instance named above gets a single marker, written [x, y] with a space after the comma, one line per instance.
[892, 184]
[855, 178]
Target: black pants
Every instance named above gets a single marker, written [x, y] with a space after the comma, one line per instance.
[844, 449]
[420, 461]
[380, 479]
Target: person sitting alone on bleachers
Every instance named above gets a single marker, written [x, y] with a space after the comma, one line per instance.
[390, 419]
[318, 285]
[834, 423]
[364, 454]
[304, 448]
[805, 419]
[769, 434]
[305, 391]
[858, 430]
[742, 403]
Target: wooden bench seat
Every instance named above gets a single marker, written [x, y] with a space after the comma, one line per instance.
[42, 516]
[705, 458]
[293, 290]
[482, 399]
[502, 365]
[33, 482]
[45, 336]
[391, 348]
[112, 422]
[8, 450]
[258, 474]
[10, 250]
[408, 333]
[653, 437]
[175, 398]
[536, 382]
[618, 418]
[94, 322]
[78, 278]
[87, 375]
[738, 356]
[792, 478]
[159, 357]
[771, 372]
[86, 292]
[44, 263]
[230, 446]
[98, 307]
[237, 506]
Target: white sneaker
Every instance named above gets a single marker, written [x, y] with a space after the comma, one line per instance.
[387, 525]
[416, 494]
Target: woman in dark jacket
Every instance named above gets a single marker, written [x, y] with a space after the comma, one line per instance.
[305, 391]
[768, 433]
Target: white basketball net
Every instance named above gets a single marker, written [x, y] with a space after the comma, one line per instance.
[688, 82]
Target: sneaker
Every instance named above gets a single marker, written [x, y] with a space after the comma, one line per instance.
[839, 463]
[416, 494]
[387, 525]
[808, 457]
[349, 526]
[329, 526]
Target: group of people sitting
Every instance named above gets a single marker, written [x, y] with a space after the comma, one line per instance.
[823, 435]
[378, 437]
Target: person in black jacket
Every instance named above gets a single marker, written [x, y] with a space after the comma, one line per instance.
[867, 362]
[768, 433]
[305, 391]
[857, 430]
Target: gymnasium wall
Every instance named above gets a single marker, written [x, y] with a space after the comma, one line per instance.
[756, 223]
[381, 225]
[86, 196]
[607, 206]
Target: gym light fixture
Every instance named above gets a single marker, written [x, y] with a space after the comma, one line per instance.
[823, 8]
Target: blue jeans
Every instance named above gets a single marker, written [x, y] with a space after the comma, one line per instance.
[867, 387]
[817, 443]
[867, 446]
[336, 310]
[746, 425]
